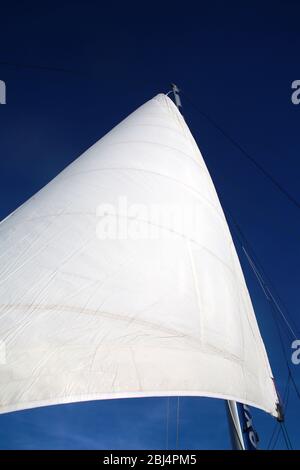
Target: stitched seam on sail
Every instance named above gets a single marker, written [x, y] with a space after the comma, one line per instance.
[190, 188]
[195, 160]
[196, 286]
[154, 224]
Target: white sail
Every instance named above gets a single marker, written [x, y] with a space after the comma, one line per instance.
[106, 292]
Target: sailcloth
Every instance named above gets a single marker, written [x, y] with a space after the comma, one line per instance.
[120, 279]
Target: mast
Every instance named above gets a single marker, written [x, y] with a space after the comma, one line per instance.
[177, 99]
[236, 434]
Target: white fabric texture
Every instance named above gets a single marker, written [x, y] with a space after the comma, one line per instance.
[86, 317]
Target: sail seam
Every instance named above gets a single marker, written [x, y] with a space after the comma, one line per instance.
[196, 285]
[190, 188]
[149, 142]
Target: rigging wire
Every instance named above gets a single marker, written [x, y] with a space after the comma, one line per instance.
[283, 430]
[284, 352]
[275, 307]
[280, 431]
[263, 278]
[277, 426]
[177, 423]
[167, 423]
[291, 377]
[246, 154]
[276, 429]
[277, 437]
[274, 311]
[250, 248]
[282, 427]
[286, 436]
[266, 291]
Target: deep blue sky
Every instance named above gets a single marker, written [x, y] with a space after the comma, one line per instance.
[236, 61]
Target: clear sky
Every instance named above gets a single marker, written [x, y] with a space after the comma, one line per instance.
[74, 69]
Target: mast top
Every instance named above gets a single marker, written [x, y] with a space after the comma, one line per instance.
[176, 91]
